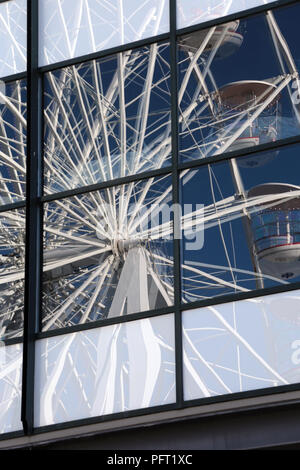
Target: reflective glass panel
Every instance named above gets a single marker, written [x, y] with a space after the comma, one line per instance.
[12, 261]
[12, 141]
[191, 12]
[108, 118]
[10, 387]
[239, 84]
[241, 224]
[106, 370]
[71, 29]
[241, 346]
[108, 253]
[13, 37]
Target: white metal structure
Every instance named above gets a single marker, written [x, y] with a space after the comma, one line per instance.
[72, 29]
[13, 37]
[190, 12]
[278, 244]
[107, 253]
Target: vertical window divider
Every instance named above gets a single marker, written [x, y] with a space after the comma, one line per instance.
[33, 217]
[176, 204]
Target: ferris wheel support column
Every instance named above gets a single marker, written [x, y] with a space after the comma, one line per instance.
[132, 288]
[239, 187]
[139, 288]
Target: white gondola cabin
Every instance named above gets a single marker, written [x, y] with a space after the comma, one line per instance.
[276, 229]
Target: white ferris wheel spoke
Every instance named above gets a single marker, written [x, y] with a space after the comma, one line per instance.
[97, 129]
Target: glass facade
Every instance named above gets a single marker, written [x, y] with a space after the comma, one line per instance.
[230, 96]
[238, 346]
[105, 370]
[149, 207]
[13, 141]
[249, 223]
[104, 255]
[10, 387]
[69, 30]
[12, 252]
[192, 12]
[13, 37]
[107, 119]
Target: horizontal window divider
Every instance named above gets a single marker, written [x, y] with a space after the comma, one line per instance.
[107, 184]
[104, 418]
[240, 15]
[14, 77]
[164, 311]
[11, 435]
[104, 53]
[12, 206]
[4, 1]
[261, 148]
[10, 341]
[105, 322]
[240, 296]
[162, 37]
[260, 392]
[271, 391]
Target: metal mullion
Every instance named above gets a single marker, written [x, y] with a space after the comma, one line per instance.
[105, 53]
[12, 206]
[105, 322]
[11, 435]
[107, 184]
[10, 341]
[106, 418]
[176, 205]
[246, 408]
[42, 205]
[226, 298]
[14, 77]
[33, 218]
[236, 154]
[258, 392]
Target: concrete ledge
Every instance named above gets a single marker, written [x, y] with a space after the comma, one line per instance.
[216, 412]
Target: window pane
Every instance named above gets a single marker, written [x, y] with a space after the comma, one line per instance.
[240, 346]
[239, 84]
[105, 370]
[12, 257]
[191, 12]
[12, 141]
[13, 37]
[108, 118]
[244, 233]
[108, 253]
[10, 387]
[71, 29]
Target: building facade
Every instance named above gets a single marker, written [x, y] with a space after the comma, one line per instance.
[149, 222]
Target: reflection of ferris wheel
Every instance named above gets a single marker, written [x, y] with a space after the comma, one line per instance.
[110, 119]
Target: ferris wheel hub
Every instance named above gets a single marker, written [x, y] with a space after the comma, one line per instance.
[120, 245]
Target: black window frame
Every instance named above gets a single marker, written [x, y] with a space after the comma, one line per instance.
[34, 218]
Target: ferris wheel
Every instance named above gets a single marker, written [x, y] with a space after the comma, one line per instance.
[108, 253]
